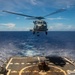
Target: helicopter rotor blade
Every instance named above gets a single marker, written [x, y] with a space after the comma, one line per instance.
[60, 10]
[18, 14]
[30, 18]
[34, 17]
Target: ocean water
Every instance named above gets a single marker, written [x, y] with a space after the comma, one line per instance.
[24, 43]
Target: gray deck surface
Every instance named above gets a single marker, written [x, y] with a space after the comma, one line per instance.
[29, 66]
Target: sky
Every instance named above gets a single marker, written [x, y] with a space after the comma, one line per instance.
[63, 21]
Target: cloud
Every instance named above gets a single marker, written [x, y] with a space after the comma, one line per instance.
[21, 29]
[17, 17]
[61, 27]
[13, 27]
[59, 3]
[52, 27]
[13, 4]
[66, 3]
[33, 2]
[1, 14]
[57, 18]
[8, 25]
[27, 4]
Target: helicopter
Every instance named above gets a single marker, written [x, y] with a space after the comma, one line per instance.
[39, 24]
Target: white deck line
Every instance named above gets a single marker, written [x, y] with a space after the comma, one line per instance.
[22, 63]
[34, 63]
[38, 59]
[28, 63]
[8, 71]
[69, 61]
[9, 62]
[16, 63]
[14, 72]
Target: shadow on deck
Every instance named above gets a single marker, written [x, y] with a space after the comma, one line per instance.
[57, 60]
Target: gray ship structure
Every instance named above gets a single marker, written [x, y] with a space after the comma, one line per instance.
[38, 65]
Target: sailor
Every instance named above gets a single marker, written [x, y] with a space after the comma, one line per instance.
[43, 66]
[3, 70]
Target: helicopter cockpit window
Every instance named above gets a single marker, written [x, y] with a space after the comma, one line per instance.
[36, 22]
[39, 22]
[44, 22]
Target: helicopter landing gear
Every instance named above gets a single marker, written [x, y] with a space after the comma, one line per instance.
[33, 32]
[37, 33]
[46, 33]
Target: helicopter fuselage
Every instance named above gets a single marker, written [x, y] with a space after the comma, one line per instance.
[40, 25]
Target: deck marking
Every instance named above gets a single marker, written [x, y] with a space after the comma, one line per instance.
[50, 63]
[42, 73]
[16, 63]
[35, 71]
[38, 59]
[13, 71]
[28, 63]
[34, 63]
[27, 71]
[70, 72]
[49, 71]
[9, 62]
[24, 69]
[60, 69]
[22, 63]
[8, 71]
[69, 61]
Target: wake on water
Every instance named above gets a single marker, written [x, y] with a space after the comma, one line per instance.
[26, 44]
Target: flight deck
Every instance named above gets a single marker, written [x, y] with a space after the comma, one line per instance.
[39, 66]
